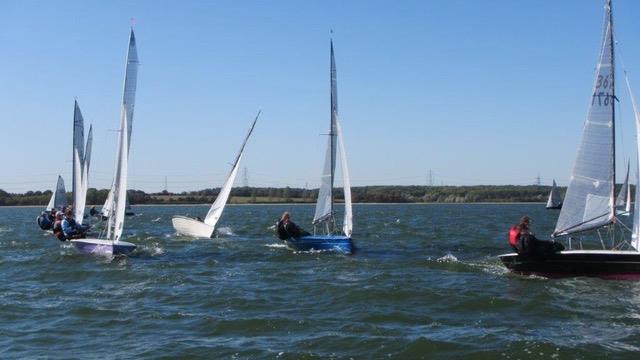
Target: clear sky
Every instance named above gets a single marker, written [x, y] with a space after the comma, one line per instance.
[481, 92]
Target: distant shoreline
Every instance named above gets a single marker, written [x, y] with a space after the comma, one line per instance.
[309, 204]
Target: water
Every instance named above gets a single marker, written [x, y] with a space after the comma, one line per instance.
[424, 283]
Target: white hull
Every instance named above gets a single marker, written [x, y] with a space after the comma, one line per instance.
[103, 247]
[192, 227]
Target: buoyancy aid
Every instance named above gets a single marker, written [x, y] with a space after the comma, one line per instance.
[514, 234]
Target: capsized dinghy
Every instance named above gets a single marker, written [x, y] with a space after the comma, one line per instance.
[206, 229]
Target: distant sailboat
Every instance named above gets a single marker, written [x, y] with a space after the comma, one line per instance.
[554, 202]
[623, 201]
[128, 104]
[589, 204]
[326, 236]
[58, 197]
[206, 229]
[57, 201]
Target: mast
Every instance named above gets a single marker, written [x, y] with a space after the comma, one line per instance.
[334, 108]
[613, 107]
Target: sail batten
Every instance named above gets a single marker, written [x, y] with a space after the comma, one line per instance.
[589, 200]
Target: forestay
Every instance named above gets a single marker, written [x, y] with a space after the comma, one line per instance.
[589, 201]
[218, 205]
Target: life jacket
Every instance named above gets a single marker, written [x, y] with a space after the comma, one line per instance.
[514, 234]
[44, 222]
[57, 231]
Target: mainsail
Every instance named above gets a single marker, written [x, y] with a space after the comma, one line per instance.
[218, 205]
[324, 204]
[554, 200]
[81, 160]
[128, 103]
[59, 197]
[589, 201]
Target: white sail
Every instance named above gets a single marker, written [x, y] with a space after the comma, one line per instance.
[635, 233]
[324, 204]
[78, 156]
[627, 205]
[116, 220]
[218, 205]
[347, 226]
[59, 197]
[589, 201]
[128, 104]
[554, 200]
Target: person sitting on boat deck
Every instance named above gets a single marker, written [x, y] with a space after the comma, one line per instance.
[288, 229]
[57, 227]
[93, 211]
[70, 228]
[525, 243]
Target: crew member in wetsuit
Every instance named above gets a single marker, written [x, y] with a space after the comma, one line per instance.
[57, 227]
[525, 243]
[93, 211]
[70, 228]
[44, 221]
[288, 229]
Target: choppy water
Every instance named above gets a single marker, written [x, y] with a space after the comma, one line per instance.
[425, 283]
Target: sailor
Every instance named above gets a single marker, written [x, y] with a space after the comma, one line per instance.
[93, 211]
[70, 228]
[57, 227]
[525, 243]
[44, 222]
[288, 229]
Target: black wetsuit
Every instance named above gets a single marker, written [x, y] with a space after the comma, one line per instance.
[289, 230]
[529, 245]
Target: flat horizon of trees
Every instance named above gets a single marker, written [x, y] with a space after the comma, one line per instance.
[360, 194]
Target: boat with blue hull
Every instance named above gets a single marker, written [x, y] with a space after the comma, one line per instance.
[339, 243]
[103, 247]
[326, 235]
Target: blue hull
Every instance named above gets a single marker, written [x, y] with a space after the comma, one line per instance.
[322, 242]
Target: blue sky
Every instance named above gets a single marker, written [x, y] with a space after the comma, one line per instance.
[481, 92]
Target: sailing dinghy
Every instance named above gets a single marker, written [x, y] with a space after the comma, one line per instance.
[128, 104]
[326, 236]
[554, 202]
[81, 163]
[589, 209]
[206, 229]
[112, 245]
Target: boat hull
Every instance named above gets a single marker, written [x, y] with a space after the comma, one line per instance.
[103, 247]
[339, 243]
[192, 227]
[609, 264]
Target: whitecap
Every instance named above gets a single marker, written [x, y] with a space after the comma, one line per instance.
[448, 258]
[227, 231]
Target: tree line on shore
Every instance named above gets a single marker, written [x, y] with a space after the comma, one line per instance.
[360, 194]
